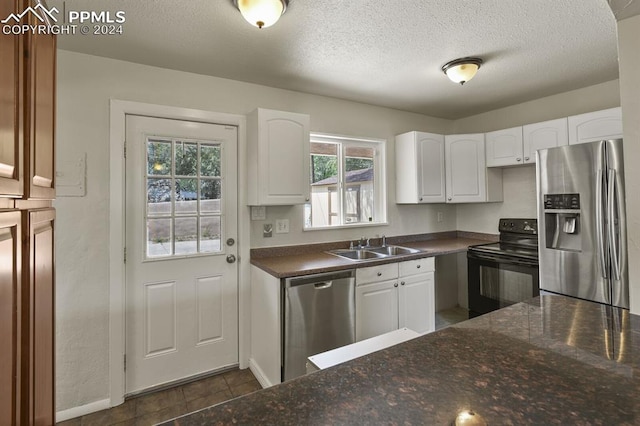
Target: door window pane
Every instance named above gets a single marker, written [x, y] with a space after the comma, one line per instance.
[159, 241]
[186, 158]
[210, 196]
[186, 196]
[186, 232]
[210, 160]
[159, 157]
[158, 197]
[210, 234]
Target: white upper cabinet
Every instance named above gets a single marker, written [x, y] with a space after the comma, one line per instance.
[278, 158]
[420, 176]
[467, 178]
[595, 126]
[548, 134]
[504, 147]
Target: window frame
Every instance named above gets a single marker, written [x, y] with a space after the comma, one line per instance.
[379, 178]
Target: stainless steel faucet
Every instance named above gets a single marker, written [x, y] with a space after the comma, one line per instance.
[384, 241]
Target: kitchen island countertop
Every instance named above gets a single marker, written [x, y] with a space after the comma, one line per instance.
[551, 360]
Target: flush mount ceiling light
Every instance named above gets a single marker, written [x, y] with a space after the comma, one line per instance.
[261, 13]
[462, 70]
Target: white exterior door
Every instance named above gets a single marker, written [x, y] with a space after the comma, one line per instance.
[181, 275]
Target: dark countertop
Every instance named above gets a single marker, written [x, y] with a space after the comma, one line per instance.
[295, 263]
[552, 360]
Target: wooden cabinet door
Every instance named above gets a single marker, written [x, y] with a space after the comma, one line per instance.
[10, 298]
[376, 309]
[11, 106]
[504, 147]
[41, 90]
[38, 318]
[548, 134]
[416, 300]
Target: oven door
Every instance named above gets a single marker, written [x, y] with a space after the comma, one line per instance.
[497, 281]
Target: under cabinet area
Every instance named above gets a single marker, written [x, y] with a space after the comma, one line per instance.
[278, 158]
[395, 295]
[420, 176]
[595, 126]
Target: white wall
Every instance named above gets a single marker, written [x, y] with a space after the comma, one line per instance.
[85, 86]
[629, 54]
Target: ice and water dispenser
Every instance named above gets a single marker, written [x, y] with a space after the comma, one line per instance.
[562, 222]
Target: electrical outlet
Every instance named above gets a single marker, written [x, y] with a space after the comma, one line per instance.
[440, 217]
[282, 226]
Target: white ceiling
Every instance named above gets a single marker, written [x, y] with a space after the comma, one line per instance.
[381, 52]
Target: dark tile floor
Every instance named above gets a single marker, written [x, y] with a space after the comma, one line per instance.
[164, 405]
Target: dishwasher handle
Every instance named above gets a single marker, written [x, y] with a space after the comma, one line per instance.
[319, 279]
[321, 286]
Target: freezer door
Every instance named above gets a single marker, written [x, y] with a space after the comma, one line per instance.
[572, 237]
[617, 224]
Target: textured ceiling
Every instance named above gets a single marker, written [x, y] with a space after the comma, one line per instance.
[381, 52]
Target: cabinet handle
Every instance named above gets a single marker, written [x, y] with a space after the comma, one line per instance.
[306, 198]
[402, 283]
[418, 266]
[395, 284]
[449, 199]
[518, 159]
[526, 158]
[420, 198]
[379, 274]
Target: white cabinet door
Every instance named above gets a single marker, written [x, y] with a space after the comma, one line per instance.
[468, 179]
[376, 309]
[504, 147]
[595, 126]
[548, 134]
[416, 304]
[420, 176]
[278, 157]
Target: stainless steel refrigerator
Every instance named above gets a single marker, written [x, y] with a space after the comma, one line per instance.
[581, 221]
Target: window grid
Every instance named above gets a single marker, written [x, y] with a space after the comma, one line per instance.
[174, 215]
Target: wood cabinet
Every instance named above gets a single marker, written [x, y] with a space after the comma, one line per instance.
[402, 296]
[11, 106]
[278, 158]
[38, 318]
[420, 175]
[595, 126]
[468, 179]
[504, 147]
[10, 313]
[547, 134]
[27, 175]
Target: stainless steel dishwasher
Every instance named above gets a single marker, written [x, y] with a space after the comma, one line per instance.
[319, 315]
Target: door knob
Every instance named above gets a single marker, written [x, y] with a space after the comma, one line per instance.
[231, 259]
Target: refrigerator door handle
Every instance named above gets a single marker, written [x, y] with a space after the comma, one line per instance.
[600, 247]
[611, 234]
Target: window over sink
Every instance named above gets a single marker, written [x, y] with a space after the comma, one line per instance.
[347, 182]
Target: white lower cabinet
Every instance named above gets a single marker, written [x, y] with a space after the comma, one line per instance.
[404, 299]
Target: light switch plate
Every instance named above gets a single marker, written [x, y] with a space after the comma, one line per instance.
[282, 226]
[258, 213]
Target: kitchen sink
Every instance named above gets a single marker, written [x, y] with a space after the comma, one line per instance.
[357, 254]
[373, 252]
[393, 250]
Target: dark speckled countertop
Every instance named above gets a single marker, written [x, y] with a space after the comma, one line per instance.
[285, 262]
[552, 360]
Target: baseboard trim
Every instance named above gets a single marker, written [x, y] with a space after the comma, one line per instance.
[82, 410]
[257, 371]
